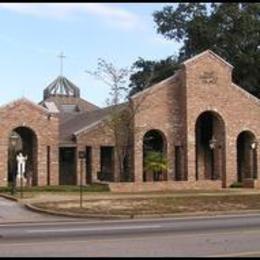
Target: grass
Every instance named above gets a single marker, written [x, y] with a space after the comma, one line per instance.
[157, 205]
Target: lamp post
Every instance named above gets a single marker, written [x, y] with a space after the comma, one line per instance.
[13, 140]
[82, 156]
[212, 146]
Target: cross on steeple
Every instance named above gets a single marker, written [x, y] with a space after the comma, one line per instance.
[61, 56]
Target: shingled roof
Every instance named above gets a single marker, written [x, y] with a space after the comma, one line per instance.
[71, 126]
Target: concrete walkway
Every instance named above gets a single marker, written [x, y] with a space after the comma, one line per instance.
[12, 211]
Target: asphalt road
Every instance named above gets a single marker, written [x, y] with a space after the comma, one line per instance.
[237, 235]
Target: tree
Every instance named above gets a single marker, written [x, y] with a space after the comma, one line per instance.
[143, 69]
[232, 30]
[156, 162]
[122, 111]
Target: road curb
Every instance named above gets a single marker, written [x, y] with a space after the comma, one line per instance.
[74, 215]
[147, 216]
[9, 197]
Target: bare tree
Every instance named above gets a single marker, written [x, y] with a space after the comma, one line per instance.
[123, 110]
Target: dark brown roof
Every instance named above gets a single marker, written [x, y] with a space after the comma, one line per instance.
[80, 121]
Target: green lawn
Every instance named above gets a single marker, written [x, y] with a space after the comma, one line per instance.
[156, 205]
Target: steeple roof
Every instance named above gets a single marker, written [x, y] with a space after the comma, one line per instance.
[61, 86]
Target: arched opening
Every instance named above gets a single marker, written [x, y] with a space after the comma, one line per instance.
[23, 139]
[246, 156]
[210, 147]
[154, 156]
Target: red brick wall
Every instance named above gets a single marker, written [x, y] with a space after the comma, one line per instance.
[100, 135]
[165, 186]
[23, 113]
[239, 110]
[163, 109]
[173, 106]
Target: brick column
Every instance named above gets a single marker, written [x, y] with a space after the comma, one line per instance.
[3, 163]
[258, 160]
[41, 165]
[231, 162]
[138, 159]
[95, 163]
[170, 161]
[116, 167]
[191, 161]
[54, 165]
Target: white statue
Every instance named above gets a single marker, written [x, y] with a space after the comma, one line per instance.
[21, 162]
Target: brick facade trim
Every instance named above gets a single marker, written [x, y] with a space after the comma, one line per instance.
[205, 53]
[27, 101]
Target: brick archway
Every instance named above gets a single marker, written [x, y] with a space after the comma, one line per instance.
[27, 143]
[154, 141]
[246, 156]
[210, 147]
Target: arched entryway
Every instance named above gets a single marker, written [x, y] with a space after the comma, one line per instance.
[210, 147]
[23, 139]
[154, 151]
[246, 156]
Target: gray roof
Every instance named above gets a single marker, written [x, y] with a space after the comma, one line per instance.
[79, 122]
[61, 86]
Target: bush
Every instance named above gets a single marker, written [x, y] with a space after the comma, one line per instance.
[236, 185]
[95, 187]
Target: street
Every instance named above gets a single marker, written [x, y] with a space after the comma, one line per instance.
[237, 235]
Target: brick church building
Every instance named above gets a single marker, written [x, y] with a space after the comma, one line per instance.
[207, 128]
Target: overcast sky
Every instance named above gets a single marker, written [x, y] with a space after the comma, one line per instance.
[32, 36]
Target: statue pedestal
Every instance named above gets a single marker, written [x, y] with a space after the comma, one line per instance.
[20, 180]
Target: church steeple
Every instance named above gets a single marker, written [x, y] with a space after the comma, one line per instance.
[61, 86]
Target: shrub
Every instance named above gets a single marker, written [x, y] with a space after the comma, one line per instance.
[236, 185]
[95, 187]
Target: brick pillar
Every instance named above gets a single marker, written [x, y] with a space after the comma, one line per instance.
[116, 167]
[95, 163]
[41, 165]
[54, 165]
[231, 162]
[258, 160]
[3, 163]
[191, 161]
[138, 159]
[170, 161]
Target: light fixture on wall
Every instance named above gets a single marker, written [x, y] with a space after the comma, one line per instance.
[14, 139]
[253, 145]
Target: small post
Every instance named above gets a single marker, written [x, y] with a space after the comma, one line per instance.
[81, 157]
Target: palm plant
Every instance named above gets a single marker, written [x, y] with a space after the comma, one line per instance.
[155, 162]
